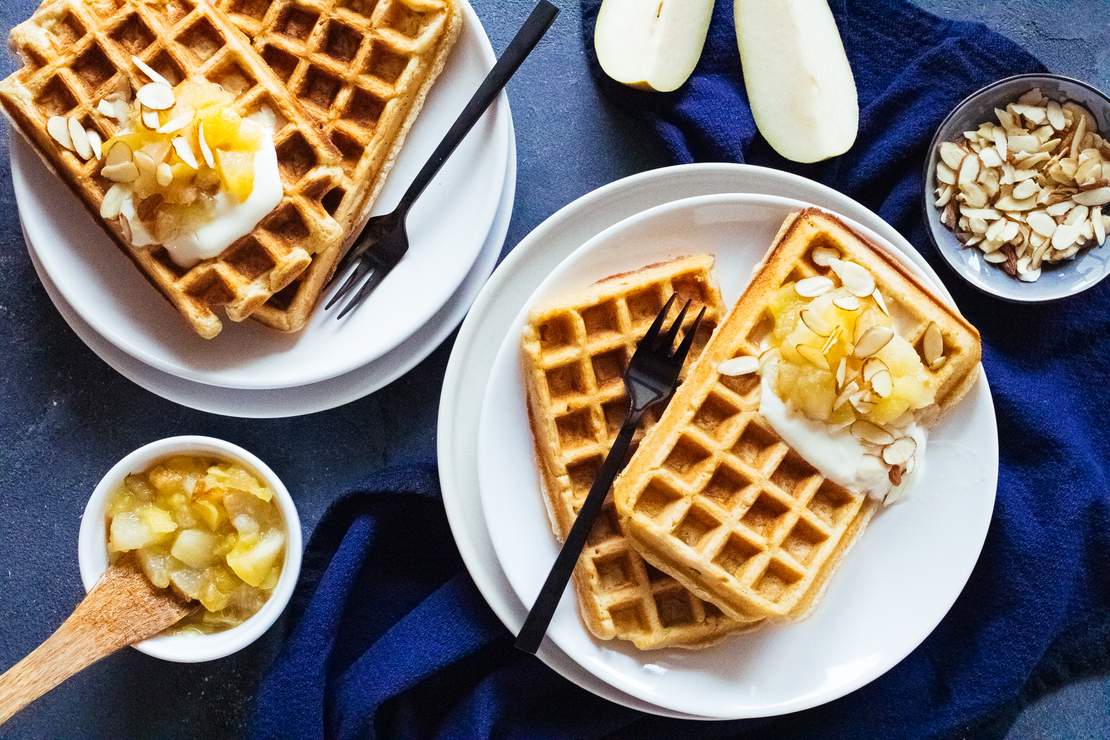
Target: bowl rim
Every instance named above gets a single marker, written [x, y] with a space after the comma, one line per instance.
[92, 552]
[927, 199]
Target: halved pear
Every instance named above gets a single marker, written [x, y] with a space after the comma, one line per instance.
[800, 85]
[651, 44]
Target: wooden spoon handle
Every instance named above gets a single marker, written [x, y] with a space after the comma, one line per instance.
[75, 645]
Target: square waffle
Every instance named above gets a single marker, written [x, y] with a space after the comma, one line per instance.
[362, 69]
[716, 499]
[575, 353]
[76, 52]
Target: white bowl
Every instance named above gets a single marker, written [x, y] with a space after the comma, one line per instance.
[92, 547]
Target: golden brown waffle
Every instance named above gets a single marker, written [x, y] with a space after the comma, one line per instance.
[714, 498]
[74, 54]
[362, 69]
[575, 353]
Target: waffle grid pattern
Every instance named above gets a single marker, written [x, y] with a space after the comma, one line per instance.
[75, 53]
[575, 355]
[716, 499]
[361, 68]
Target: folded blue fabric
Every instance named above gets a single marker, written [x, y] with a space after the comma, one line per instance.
[393, 638]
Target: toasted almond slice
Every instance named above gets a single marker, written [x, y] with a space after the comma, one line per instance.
[1097, 225]
[1041, 222]
[952, 154]
[181, 146]
[899, 451]
[1032, 113]
[1008, 203]
[969, 170]
[1094, 197]
[932, 344]
[112, 204]
[815, 322]
[1011, 232]
[945, 174]
[990, 158]
[943, 196]
[1030, 276]
[151, 119]
[813, 356]
[823, 256]
[106, 108]
[847, 302]
[1059, 209]
[987, 214]
[873, 340]
[871, 366]
[79, 138]
[841, 372]
[995, 229]
[58, 128]
[857, 280]
[177, 123]
[150, 72]
[146, 164]
[96, 143]
[974, 195]
[871, 433]
[163, 175]
[1055, 114]
[846, 394]
[737, 366]
[811, 287]
[1077, 215]
[882, 384]
[1032, 96]
[156, 96]
[124, 172]
[880, 302]
[998, 135]
[206, 152]
[995, 258]
[1026, 189]
[1065, 236]
[118, 154]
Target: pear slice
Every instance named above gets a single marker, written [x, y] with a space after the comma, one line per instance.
[799, 82]
[651, 44]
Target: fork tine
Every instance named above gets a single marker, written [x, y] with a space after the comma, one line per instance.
[371, 283]
[688, 340]
[348, 259]
[359, 273]
[667, 342]
[653, 330]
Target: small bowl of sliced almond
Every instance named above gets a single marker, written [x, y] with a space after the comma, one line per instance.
[1017, 188]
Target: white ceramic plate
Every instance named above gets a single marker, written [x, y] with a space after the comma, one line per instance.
[447, 230]
[890, 592]
[320, 396]
[496, 308]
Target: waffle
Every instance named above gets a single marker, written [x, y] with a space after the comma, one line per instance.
[362, 69]
[714, 498]
[74, 53]
[575, 353]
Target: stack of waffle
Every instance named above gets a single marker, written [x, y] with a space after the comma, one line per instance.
[345, 81]
[713, 509]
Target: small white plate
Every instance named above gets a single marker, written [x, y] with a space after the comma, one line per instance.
[327, 394]
[448, 228]
[890, 592]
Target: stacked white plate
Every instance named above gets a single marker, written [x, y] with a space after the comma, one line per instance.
[891, 591]
[456, 230]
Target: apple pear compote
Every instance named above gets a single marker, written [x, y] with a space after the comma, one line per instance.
[206, 528]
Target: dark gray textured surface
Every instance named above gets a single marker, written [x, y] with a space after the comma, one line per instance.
[65, 417]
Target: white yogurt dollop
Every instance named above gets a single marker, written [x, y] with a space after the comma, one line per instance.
[836, 453]
[231, 220]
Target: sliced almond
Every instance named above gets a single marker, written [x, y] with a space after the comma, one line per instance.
[990, 158]
[841, 372]
[163, 175]
[871, 433]
[58, 128]
[118, 154]
[932, 344]
[150, 72]
[952, 154]
[813, 356]
[831, 341]
[815, 322]
[823, 256]
[1097, 225]
[151, 119]
[156, 96]
[1041, 222]
[969, 170]
[1026, 189]
[857, 280]
[124, 172]
[145, 164]
[847, 302]
[1065, 236]
[206, 152]
[1055, 114]
[1029, 276]
[943, 196]
[882, 384]
[1059, 209]
[974, 194]
[811, 287]
[183, 150]
[96, 143]
[79, 138]
[177, 123]
[861, 404]
[900, 451]
[846, 394]
[880, 301]
[1094, 197]
[106, 108]
[871, 367]
[945, 174]
[873, 340]
[737, 366]
[112, 204]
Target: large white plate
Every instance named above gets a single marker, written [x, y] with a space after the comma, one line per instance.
[497, 307]
[890, 593]
[447, 230]
[327, 394]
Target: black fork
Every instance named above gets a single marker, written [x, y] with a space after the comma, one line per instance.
[384, 241]
[650, 380]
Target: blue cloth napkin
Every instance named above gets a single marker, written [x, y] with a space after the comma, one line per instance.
[394, 640]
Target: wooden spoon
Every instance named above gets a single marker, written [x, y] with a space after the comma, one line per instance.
[123, 608]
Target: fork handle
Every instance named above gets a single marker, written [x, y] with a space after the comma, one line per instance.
[518, 50]
[535, 626]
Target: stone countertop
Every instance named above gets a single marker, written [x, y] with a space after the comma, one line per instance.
[67, 417]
